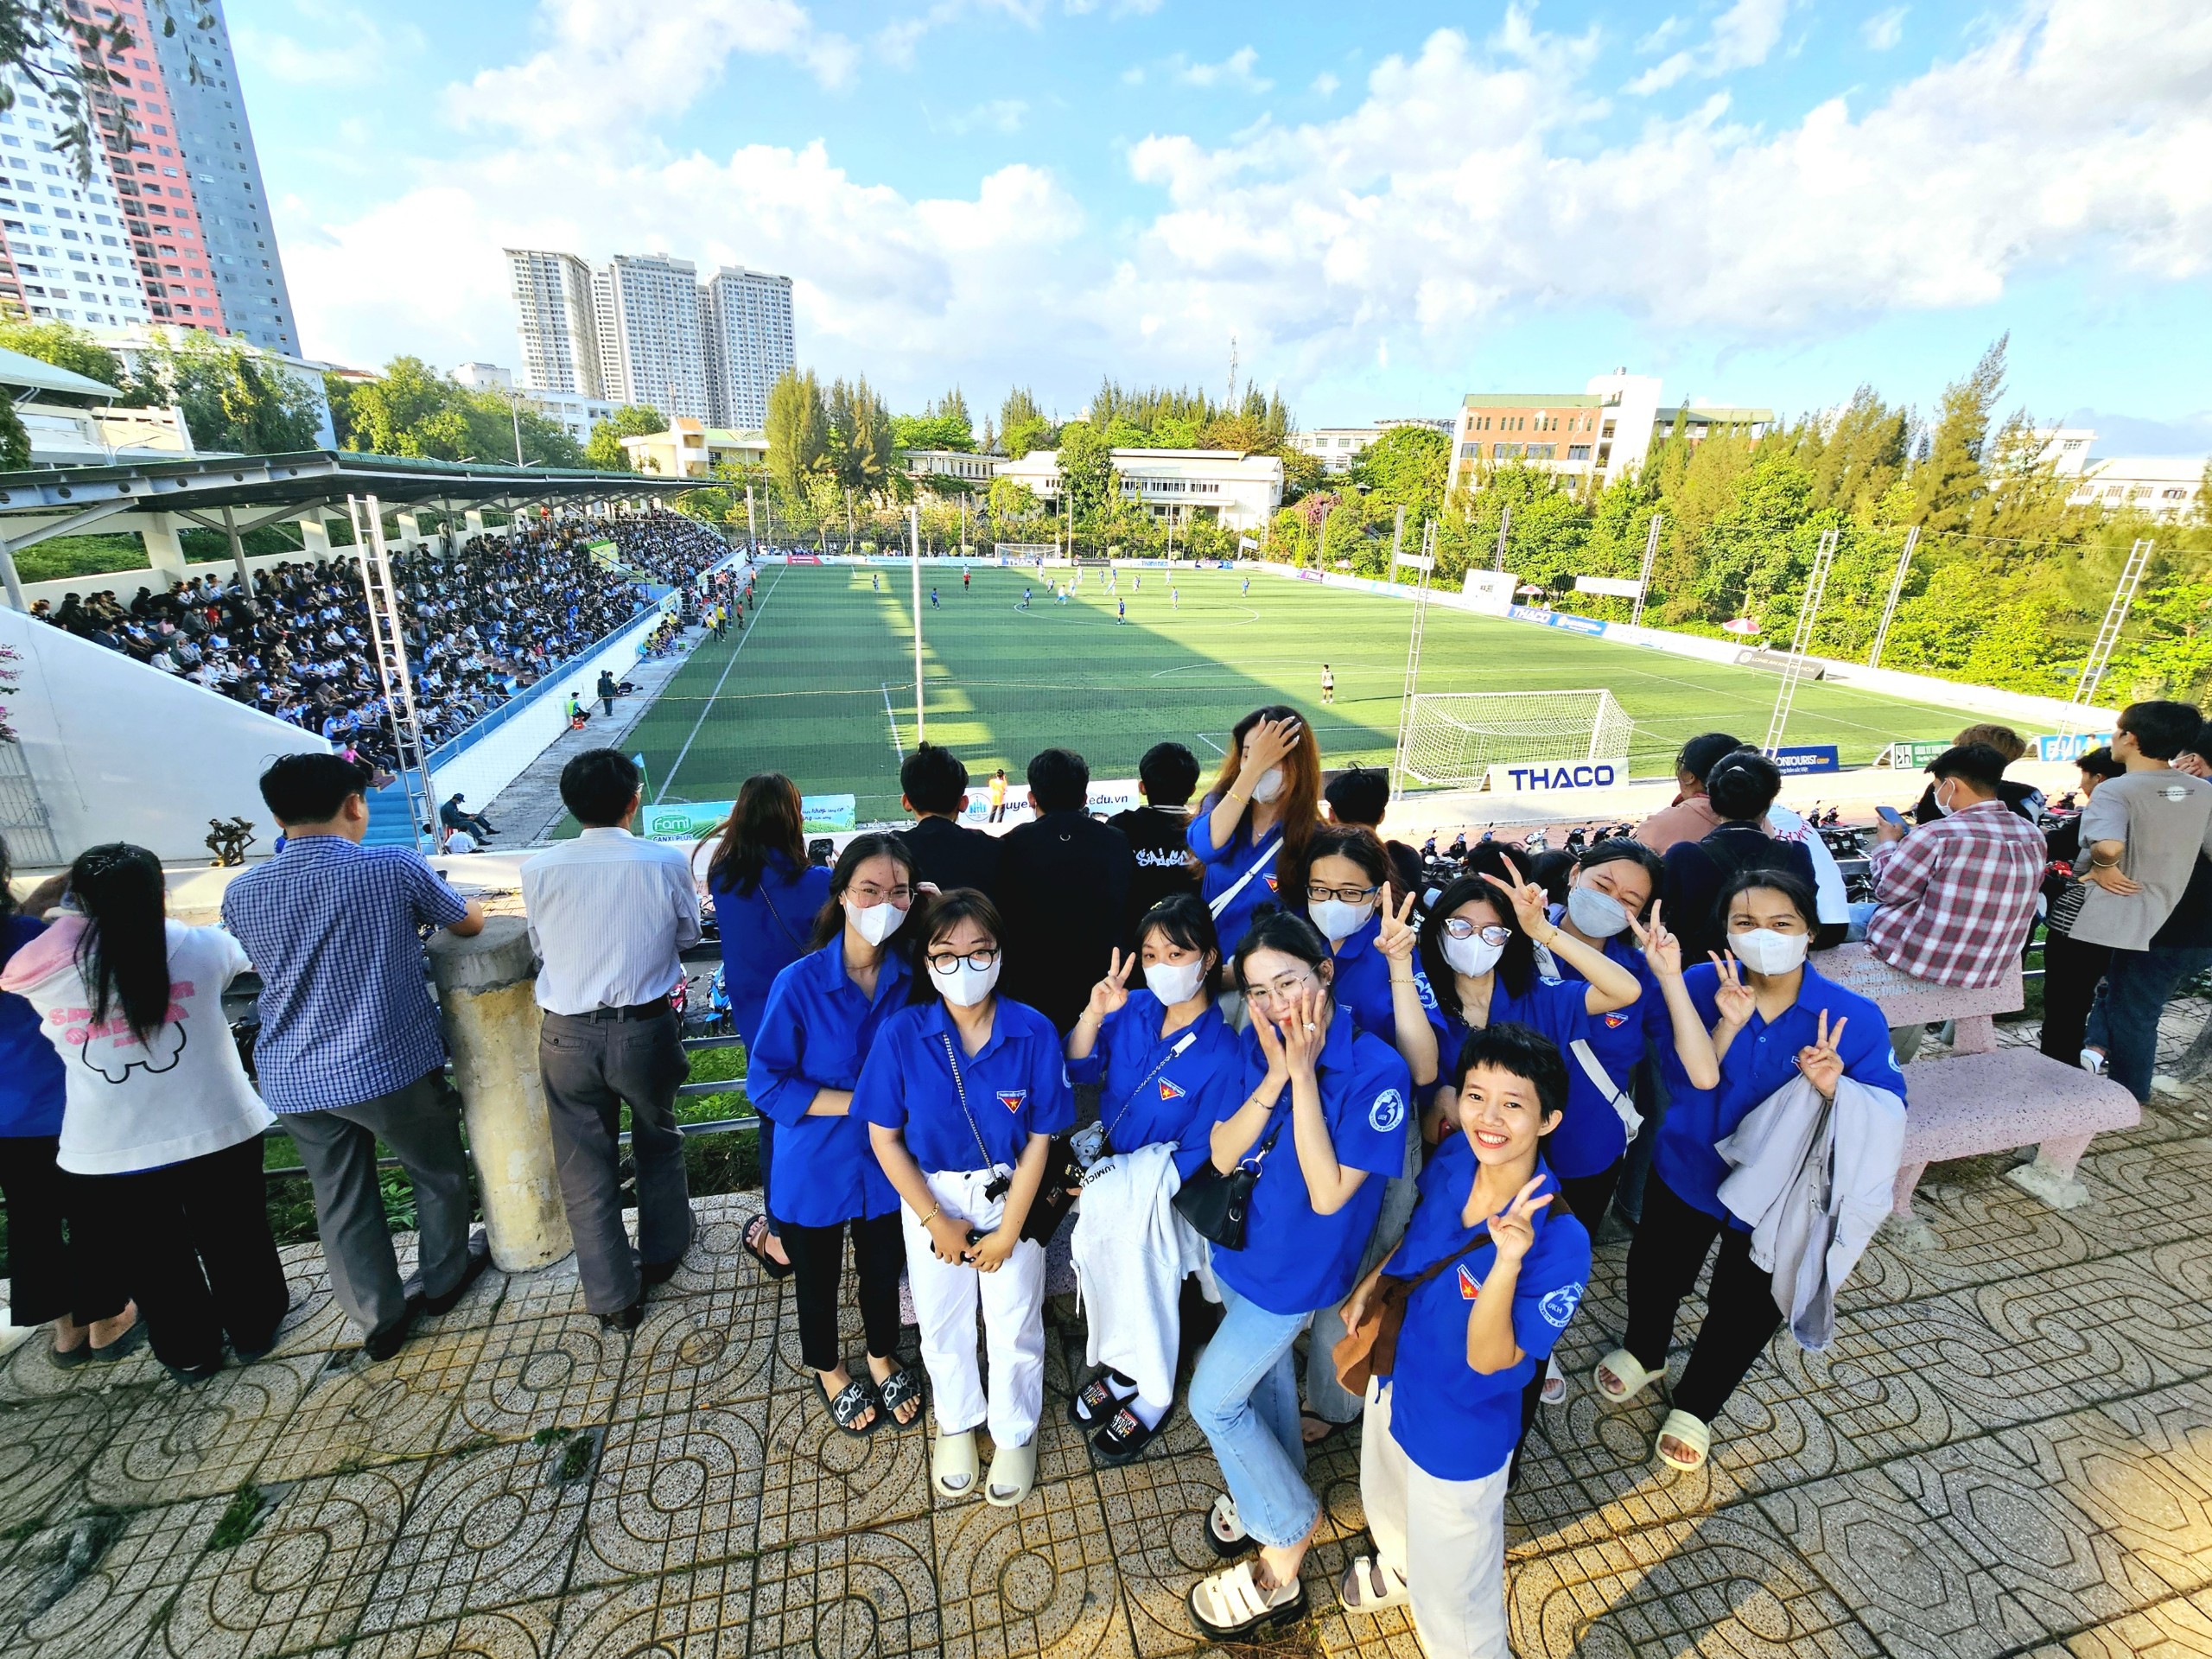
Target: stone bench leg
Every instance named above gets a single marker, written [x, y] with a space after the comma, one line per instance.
[1901, 1195]
[1974, 1034]
[2049, 1176]
[1903, 1228]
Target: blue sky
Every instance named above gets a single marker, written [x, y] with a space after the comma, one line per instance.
[1763, 202]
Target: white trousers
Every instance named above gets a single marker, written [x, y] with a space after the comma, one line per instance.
[1446, 1537]
[946, 1295]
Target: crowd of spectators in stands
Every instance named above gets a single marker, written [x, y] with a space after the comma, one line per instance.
[486, 620]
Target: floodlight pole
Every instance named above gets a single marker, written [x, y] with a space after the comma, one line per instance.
[1397, 541]
[752, 528]
[1643, 577]
[1505, 522]
[1413, 660]
[914, 553]
[1896, 587]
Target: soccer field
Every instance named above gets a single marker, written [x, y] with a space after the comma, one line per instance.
[820, 685]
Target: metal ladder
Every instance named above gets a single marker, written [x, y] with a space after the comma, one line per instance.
[388, 639]
[1896, 589]
[1793, 668]
[1413, 661]
[1643, 576]
[2123, 596]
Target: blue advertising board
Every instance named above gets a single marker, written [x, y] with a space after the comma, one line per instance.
[2071, 745]
[1796, 760]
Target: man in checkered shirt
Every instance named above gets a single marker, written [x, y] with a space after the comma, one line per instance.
[1955, 899]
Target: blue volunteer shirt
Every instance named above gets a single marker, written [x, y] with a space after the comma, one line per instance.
[31, 1077]
[1454, 1421]
[345, 1011]
[1156, 1089]
[816, 1032]
[1016, 1086]
[1363, 982]
[1618, 1040]
[1761, 1058]
[1590, 1137]
[1294, 1259]
[1226, 865]
[763, 931]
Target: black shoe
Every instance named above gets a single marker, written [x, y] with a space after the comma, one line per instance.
[624, 1319]
[383, 1343]
[188, 1375]
[480, 1257]
[658, 1273]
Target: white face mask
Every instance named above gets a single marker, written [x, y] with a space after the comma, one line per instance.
[1339, 920]
[1599, 914]
[1765, 951]
[875, 922]
[1471, 957]
[965, 986]
[1174, 982]
[1268, 787]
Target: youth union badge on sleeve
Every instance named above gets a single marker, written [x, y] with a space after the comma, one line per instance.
[1388, 1111]
[1559, 1307]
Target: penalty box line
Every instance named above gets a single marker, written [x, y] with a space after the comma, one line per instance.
[708, 707]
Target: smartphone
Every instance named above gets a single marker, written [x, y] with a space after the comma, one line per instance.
[1889, 815]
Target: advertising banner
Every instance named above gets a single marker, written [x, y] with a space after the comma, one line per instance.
[1802, 758]
[2071, 745]
[1915, 756]
[1620, 586]
[1490, 590]
[1547, 777]
[1108, 796]
[688, 820]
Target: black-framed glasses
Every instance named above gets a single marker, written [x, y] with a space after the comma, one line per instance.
[1317, 894]
[944, 962]
[1461, 928]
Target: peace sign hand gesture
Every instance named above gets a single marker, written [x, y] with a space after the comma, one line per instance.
[1513, 1229]
[1398, 936]
[1531, 908]
[1820, 1064]
[1111, 994]
[1732, 998]
[1661, 949]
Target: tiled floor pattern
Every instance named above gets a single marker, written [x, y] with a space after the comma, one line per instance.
[2007, 1450]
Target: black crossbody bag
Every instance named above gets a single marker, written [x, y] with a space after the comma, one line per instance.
[1218, 1206]
[1056, 1193]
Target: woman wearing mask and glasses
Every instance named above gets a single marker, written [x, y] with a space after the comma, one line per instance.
[766, 897]
[1776, 1020]
[818, 1027]
[1323, 1122]
[1250, 830]
[1168, 1067]
[962, 1095]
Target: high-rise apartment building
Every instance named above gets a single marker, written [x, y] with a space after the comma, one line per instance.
[65, 250]
[746, 317]
[657, 336]
[558, 322]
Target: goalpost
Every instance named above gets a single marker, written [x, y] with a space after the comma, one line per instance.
[1452, 738]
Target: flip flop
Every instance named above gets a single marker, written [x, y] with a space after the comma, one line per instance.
[1691, 1432]
[1014, 1471]
[1125, 1437]
[1231, 1604]
[1368, 1586]
[1555, 1389]
[953, 1465]
[852, 1400]
[1096, 1398]
[769, 1265]
[1628, 1371]
[1225, 1534]
[1328, 1428]
[895, 1390]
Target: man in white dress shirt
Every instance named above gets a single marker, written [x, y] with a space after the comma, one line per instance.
[608, 914]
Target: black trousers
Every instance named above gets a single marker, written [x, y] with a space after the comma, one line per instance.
[60, 1259]
[200, 1259]
[2071, 970]
[1588, 1197]
[818, 1255]
[1670, 1249]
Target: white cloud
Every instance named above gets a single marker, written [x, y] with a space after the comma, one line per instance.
[1742, 37]
[1238, 69]
[1883, 30]
[1000, 115]
[1326, 84]
[611, 64]
[362, 42]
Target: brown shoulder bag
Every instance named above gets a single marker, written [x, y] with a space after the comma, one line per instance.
[1370, 1349]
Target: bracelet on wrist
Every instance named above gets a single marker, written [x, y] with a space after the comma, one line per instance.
[932, 1215]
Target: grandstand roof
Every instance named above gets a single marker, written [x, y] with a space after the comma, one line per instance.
[61, 500]
[17, 369]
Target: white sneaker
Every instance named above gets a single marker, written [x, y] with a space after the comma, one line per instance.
[2093, 1062]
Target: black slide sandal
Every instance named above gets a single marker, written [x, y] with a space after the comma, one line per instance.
[894, 1391]
[757, 1230]
[852, 1400]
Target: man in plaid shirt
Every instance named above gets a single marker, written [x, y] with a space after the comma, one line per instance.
[1955, 898]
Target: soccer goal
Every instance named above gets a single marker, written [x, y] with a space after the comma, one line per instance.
[1454, 737]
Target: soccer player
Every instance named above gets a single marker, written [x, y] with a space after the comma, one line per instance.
[1328, 684]
[875, 579]
[1174, 599]
[1024, 599]
[933, 604]
[1247, 586]
[966, 577]
[1121, 610]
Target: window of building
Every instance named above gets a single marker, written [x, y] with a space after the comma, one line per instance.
[1578, 452]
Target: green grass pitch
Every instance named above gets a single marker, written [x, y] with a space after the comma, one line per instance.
[820, 686]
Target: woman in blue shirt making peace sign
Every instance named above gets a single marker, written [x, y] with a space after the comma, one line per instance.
[1323, 1120]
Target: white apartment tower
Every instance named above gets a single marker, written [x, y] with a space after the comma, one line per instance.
[556, 320]
[656, 304]
[745, 317]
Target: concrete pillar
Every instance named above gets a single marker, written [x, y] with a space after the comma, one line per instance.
[410, 530]
[474, 521]
[314, 537]
[491, 1021]
[163, 551]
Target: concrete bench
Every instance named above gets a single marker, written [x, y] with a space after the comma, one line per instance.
[1905, 1001]
[1971, 1105]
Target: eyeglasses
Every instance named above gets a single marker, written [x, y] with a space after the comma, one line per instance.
[1282, 990]
[1316, 893]
[869, 893]
[944, 962]
[1461, 928]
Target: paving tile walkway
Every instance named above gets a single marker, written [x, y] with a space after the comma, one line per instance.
[2008, 1450]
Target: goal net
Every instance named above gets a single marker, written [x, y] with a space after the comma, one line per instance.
[1454, 737]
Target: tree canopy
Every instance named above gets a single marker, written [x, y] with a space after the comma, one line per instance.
[414, 410]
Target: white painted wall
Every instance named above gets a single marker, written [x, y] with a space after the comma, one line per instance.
[121, 752]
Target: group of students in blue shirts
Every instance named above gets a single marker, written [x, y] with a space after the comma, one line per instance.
[1430, 1096]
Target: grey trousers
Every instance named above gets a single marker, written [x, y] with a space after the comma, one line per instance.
[422, 1125]
[591, 1068]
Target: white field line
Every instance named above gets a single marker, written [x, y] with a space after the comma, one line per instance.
[709, 708]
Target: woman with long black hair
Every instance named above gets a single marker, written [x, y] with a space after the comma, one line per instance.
[160, 1119]
[766, 897]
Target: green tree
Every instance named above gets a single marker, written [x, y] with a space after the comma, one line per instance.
[861, 453]
[604, 451]
[1087, 470]
[1022, 425]
[1949, 482]
[1012, 504]
[797, 431]
[234, 399]
[1406, 466]
[15, 443]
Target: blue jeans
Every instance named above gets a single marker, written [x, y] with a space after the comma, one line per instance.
[1244, 1396]
[2124, 1021]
